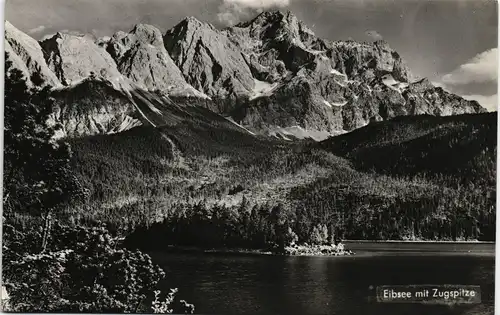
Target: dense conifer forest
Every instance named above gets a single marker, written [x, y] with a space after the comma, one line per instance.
[412, 178]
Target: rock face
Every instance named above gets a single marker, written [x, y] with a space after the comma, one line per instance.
[209, 60]
[335, 104]
[73, 58]
[93, 107]
[141, 56]
[27, 56]
[274, 42]
[272, 75]
[329, 87]
[291, 83]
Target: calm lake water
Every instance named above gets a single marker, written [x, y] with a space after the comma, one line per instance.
[253, 284]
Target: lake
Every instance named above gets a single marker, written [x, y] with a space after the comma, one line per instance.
[260, 284]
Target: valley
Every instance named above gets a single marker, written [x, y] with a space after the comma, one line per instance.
[259, 138]
[265, 134]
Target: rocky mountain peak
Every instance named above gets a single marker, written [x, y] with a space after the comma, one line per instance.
[267, 18]
[277, 25]
[208, 59]
[274, 17]
[366, 61]
[73, 58]
[148, 34]
[141, 56]
[271, 74]
[421, 85]
[382, 44]
[27, 56]
[192, 22]
[188, 26]
[276, 43]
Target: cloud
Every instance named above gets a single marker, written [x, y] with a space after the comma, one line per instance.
[233, 11]
[72, 32]
[374, 35]
[480, 69]
[69, 32]
[37, 29]
[259, 4]
[490, 102]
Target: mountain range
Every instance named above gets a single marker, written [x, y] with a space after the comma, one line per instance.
[202, 129]
[270, 76]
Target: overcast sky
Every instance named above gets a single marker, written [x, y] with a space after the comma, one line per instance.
[452, 42]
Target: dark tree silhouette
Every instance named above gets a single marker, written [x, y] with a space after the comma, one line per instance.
[38, 179]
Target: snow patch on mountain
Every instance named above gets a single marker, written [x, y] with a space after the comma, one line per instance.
[300, 133]
[336, 72]
[314, 52]
[144, 100]
[262, 88]
[334, 104]
[339, 104]
[341, 84]
[235, 123]
[393, 84]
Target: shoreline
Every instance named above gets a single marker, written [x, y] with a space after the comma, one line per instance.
[458, 247]
[419, 242]
[241, 251]
[352, 248]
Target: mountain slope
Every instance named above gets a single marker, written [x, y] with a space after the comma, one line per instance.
[271, 76]
[463, 147]
[177, 173]
[330, 86]
[141, 57]
[208, 60]
[155, 166]
[74, 58]
[27, 56]
[93, 107]
[283, 37]
[302, 85]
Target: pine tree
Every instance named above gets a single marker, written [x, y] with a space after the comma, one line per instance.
[37, 174]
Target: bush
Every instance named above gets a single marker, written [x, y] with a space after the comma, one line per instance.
[84, 270]
[162, 307]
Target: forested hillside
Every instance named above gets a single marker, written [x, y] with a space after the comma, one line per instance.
[205, 144]
[462, 147]
[195, 178]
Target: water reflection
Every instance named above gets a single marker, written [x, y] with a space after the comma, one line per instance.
[319, 285]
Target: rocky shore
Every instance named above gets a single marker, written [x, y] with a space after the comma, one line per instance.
[317, 250]
[291, 250]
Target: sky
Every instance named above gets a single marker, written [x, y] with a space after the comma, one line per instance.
[451, 42]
